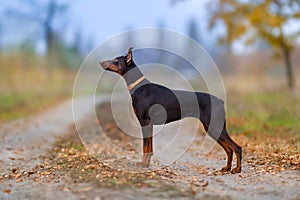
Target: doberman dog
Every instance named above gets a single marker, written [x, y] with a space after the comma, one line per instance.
[155, 104]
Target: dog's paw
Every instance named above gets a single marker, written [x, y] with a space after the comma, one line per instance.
[236, 170]
[225, 169]
[143, 164]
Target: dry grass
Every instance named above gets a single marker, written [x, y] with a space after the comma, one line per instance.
[27, 88]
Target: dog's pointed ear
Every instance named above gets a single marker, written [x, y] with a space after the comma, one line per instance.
[129, 56]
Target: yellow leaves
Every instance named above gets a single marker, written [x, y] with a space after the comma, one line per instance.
[240, 30]
[265, 17]
[296, 15]
[262, 16]
[275, 20]
[257, 15]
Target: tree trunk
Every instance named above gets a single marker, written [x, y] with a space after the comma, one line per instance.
[289, 67]
[49, 53]
[49, 36]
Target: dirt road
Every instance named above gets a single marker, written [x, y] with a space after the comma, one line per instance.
[24, 141]
[33, 166]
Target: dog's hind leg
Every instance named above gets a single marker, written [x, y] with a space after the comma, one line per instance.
[235, 148]
[229, 143]
[222, 142]
[215, 126]
[229, 153]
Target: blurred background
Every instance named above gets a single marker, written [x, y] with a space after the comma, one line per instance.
[255, 44]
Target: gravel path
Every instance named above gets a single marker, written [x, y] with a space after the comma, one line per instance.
[24, 141]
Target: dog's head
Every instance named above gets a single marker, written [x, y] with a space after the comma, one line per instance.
[120, 65]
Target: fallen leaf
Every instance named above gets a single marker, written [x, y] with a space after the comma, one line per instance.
[30, 172]
[35, 179]
[18, 175]
[65, 189]
[85, 189]
[19, 180]
[91, 166]
[6, 190]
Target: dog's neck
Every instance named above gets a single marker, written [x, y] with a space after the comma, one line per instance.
[133, 78]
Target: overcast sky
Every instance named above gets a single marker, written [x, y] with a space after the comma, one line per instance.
[99, 20]
[102, 19]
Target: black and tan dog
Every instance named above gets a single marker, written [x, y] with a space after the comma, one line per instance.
[155, 104]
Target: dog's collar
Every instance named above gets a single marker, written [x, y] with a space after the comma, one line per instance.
[132, 85]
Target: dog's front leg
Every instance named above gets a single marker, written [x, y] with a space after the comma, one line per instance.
[147, 145]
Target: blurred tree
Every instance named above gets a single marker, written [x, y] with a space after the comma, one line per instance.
[193, 31]
[0, 34]
[44, 14]
[88, 45]
[77, 43]
[67, 56]
[266, 19]
[161, 38]
[0, 38]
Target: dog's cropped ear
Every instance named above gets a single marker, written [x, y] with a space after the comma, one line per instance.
[129, 56]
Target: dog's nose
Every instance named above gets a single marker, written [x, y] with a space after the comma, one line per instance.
[104, 64]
